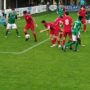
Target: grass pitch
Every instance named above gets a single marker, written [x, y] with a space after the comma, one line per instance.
[42, 68]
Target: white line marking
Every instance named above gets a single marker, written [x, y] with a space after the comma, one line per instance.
[26, 50]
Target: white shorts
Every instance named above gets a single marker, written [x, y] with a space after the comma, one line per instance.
[88, 21]
[78, 34]
[11, 26]
[74, 38]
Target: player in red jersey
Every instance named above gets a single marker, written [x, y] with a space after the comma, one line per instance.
[54, 32]
[67, 27]
[30, 24]
[58, 23]
[82, 12]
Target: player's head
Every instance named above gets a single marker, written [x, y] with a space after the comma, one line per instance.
[82, 7]
[80, 18]
[66, 13]
[13, 10]
[43, 22]
[25, 12]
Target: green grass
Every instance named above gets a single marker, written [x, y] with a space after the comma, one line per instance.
[43, 68]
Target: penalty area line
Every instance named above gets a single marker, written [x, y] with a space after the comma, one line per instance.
[26, 50]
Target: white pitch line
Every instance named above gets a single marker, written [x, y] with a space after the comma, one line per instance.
[26, 50]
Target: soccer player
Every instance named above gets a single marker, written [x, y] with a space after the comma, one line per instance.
[61, 10]
[67, 27]
[75, 34]
[82, 2]
[82, 13]
[58, 23]
[30, 24]
[11, 23]
[54, 32]
[3, 21]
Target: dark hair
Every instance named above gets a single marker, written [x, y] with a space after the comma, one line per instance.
[80, 18]
[67, 13]
[24, 12]
[13, 9]
[43, 21]
[82, 6]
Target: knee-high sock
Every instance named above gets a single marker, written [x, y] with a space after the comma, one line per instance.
[7, 32]
[34, 34]
[76, 45]
[17, 32]
[69, 44]
[79, 41]
[63, 42]
[85, 27]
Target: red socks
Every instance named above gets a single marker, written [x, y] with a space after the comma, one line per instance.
[85, 27]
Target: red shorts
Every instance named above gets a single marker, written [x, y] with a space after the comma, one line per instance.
[52, 32]
[56, 33]
[83, 21]
[69, 34]
[29, 26]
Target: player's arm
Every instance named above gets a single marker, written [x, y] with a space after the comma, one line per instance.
[45, 30]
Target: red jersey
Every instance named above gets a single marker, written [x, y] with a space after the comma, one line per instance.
[67, 22]
[82, 12]
[50, 26]
[53, 29]
[29, 19]
[58, 21]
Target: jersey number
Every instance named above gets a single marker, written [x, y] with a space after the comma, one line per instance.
[66, 22]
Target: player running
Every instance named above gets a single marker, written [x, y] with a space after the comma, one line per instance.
[11, 23]
[54, 32]
[30, 24]
[82, 13]
[75, 34]
[67, 26]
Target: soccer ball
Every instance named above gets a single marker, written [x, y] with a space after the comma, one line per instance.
[27, 36]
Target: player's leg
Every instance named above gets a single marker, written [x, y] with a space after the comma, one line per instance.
[76, 45]
[68, 44]
[14, 26]
[52, 39]
[79, 39]
[58, 40]
[57, 37]
[70, 38]
[33, 32]
[61, 35]
[64, 38]
[26, 28]
[8, 28]
[84, 24]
